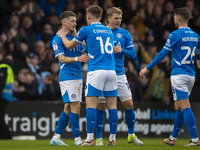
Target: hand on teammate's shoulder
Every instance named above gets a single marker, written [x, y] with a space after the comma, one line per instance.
[61, 33]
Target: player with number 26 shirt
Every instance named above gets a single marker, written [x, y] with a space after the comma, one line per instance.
[183, 43]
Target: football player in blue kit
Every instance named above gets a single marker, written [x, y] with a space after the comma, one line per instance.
[183, 43]
[101, 75]
[70, 80]
[123, 46]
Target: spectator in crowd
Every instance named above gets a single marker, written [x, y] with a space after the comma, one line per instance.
[134, 83]
[130, 10]
[47, 35]
[168, 17]
[28, 6]
[42, 54]
[21, 76]
[54, 21]
[138, 22]
[52, 6]
[14, 25]
[19, 51]
[28, 31]
[54, 68]
[50, 90]
[15, 6]
[29, 90]
[33, 62]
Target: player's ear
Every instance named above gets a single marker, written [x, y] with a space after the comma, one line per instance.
[63, 21]
[90, 16]
[179, 18]
[108, 18]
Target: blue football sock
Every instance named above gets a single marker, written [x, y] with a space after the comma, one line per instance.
[74, 121]
[190, 122]
[99, 123]
[178, 123]
[130, 120]
[113, 120]
[91, 119]
[62, 123]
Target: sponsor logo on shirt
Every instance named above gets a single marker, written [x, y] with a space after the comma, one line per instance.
[167, 43]
[55, 46]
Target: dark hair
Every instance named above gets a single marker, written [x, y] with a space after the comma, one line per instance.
[95, 11]
[184, 12]
[67, 14]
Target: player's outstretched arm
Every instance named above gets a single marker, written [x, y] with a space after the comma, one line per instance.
[63, 59]
[161, 55]
[68, 44]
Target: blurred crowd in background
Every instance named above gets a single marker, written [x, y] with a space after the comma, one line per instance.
[27, 28]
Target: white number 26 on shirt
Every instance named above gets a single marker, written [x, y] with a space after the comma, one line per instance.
[185, 61]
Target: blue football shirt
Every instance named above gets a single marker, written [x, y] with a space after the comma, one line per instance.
[99, 41]
[68, 71]
[183, 43]
[123, 39]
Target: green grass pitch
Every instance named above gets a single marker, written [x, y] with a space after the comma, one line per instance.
[121, 144]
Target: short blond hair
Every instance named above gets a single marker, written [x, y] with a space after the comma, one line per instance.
[113, 10]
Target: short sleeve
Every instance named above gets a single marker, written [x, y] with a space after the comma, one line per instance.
[81, 35]
[57, 46]
[170, 43]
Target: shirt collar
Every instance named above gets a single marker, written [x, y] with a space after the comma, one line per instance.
[96, 23]
[184, 28]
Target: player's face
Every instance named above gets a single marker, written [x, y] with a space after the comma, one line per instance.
[70, 23]
[115, 20]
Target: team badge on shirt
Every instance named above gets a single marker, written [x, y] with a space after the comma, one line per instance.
[55, 46]
[119, 35]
